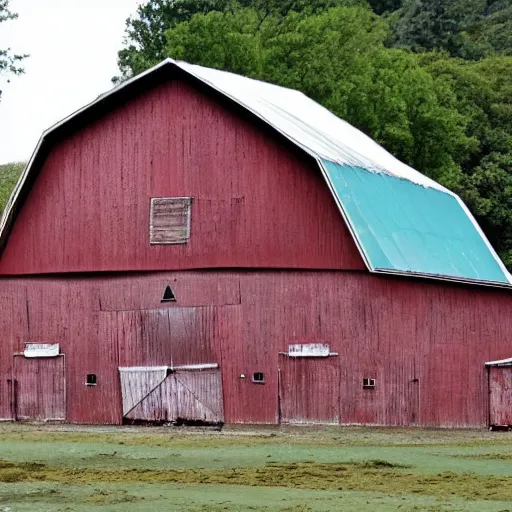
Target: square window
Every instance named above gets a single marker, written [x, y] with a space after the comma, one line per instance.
[368, 383]
[90, 379]
[258, 378]
[169, 220]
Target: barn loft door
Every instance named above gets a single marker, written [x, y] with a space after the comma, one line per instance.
[500, 393]
[39, 389]
[164, 394]
[309, 390]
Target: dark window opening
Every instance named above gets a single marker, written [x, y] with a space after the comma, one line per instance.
[90, 379]
[258, 377]
[168, 295]
[368, 383]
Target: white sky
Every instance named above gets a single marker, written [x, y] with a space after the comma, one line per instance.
[73, 48]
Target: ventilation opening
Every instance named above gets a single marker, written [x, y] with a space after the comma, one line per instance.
[258, 378]
[368, 383]
[168, 295]
[90, 379]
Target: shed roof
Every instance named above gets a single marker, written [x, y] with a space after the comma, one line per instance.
[402, 221]
[501, 362]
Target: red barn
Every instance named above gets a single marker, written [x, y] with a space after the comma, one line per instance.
[198, 246]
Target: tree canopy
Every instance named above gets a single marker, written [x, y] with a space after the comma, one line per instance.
[429, 80]
[10, 63]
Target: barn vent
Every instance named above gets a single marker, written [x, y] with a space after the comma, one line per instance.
[169, 220]
[168, 295]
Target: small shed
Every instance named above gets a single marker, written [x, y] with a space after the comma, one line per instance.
[500, 393]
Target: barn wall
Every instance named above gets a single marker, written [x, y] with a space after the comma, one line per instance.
[425, 344]
[255, 202]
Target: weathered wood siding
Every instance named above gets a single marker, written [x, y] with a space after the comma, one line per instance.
[424, 343]
[255, 202]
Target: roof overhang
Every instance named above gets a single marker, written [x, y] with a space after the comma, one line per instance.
[501, 362]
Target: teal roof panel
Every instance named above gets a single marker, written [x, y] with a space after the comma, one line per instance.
[404, 227]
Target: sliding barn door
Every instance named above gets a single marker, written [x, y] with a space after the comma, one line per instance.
[309, 390]
[39, 389]
[159, 395]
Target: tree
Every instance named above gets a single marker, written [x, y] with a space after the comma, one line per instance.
[144, 35]
[9, 62]
[144, 42]
[470, 29]
[435, 24]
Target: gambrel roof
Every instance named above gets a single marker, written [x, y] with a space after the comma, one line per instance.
[402, 222]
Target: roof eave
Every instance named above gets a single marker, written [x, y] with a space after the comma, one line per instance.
[441, 277]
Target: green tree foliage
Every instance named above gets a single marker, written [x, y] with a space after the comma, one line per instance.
[471, 29]
[9, 174]
[144, 43]
[9, 62]
[492, 33]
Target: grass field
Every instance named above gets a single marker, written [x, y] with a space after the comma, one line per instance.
[71, 468]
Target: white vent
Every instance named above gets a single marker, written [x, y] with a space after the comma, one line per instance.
[309, 350]
[41, 350]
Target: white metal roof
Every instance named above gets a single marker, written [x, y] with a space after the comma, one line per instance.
[308, 124]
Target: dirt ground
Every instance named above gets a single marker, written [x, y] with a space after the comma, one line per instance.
[78, 468]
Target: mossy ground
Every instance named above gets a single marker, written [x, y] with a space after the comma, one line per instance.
[67, 468]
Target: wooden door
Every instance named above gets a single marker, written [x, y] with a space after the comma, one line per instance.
[500, 393]
[162, 395]
[39, 388]
[309, 390]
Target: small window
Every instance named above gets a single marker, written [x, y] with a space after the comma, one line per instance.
[368, 383]
[90, 379]
[170, 220]
[168, 295]
[258, 378]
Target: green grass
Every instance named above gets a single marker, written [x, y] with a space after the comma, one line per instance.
[73, 468]
[9, 174]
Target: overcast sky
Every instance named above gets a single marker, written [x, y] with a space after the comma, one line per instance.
[73, 48]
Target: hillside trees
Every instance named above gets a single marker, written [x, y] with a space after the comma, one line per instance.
[9, 174]
[471, 29]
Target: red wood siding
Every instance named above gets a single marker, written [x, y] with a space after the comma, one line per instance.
[255, 203]
[424, 343]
